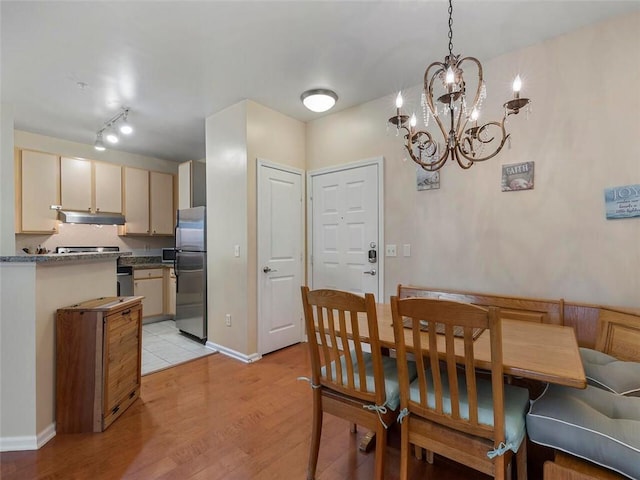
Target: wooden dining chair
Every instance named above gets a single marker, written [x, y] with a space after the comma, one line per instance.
[348, 381]
[447, 409]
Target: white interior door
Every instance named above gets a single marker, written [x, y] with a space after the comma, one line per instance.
[280, 244]
[345, 229]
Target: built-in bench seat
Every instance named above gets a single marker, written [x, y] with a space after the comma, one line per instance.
[612, 330]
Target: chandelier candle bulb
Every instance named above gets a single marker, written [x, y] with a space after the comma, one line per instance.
[517, 85]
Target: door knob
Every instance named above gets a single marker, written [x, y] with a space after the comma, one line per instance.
[268, 270]
[370, 272]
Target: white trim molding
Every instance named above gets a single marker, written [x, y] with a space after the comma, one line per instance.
[28, 442]
[254, 357]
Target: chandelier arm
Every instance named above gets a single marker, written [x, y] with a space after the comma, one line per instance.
[505, 136]
[480, 77]
[456, 154]
[428, 166]
[429, 92]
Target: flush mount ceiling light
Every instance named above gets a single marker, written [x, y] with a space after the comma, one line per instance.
[109, 130]
[319, 99]
[464, 140]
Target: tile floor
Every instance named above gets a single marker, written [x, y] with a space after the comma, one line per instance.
[163, 346]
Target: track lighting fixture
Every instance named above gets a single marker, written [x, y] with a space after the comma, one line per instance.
[109, 131]
[99, 145]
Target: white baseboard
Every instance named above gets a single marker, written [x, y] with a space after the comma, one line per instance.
[27, 442]
[254, 357]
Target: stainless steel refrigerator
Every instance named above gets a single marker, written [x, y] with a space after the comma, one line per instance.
[190, 266]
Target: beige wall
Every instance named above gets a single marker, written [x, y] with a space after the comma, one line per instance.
[7, 191]
[226, 153]
[81, 235]
[236, 138]
[552, 241]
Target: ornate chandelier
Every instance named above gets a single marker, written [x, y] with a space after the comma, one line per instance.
[465, 140]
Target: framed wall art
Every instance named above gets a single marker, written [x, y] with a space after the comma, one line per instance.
[622, 202]
[517, 176]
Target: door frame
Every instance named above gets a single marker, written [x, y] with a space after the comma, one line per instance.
[260, 163]
[379, 162]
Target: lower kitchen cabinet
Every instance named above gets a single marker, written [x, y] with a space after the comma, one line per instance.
[98, 359]
[149, 283]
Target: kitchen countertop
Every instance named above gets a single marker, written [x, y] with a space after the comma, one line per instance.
[144, 262]
[62, 257]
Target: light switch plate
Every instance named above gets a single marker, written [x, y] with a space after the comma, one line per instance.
[390, 251]
[236, 250]
[406, 250]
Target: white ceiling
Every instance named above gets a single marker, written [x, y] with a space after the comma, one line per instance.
[174, 63]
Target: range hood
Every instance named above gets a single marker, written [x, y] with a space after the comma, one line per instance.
[98, 218]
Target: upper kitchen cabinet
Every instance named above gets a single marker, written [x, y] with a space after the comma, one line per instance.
[38, 189]
[192, 191]
[161, 199]
[107, 187]
[148, 202]
[90, 186]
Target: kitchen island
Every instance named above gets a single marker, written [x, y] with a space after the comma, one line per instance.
[32, 288]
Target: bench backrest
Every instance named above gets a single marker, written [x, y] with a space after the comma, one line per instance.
[516, 308]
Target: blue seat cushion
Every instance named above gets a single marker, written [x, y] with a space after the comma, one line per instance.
[609, 373]
[516, 401]
[391, 384]
[593, 424]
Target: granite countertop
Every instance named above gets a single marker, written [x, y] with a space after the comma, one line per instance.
[144, 262]
[63, 257]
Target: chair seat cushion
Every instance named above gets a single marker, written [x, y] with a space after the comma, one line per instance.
[391, 383]
[516, 401]
[609, 373]
[593, 424]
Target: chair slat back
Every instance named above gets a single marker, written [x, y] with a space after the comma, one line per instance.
[335, 321]
[450, 358]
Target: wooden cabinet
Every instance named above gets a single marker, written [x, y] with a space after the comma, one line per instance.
[136, 201]
[170, 292]
[148, 202]
[192, 191]
[161, 203]
[92, 186]
[107, 187]
[39, 180]
[98, 359]
[75, 184]
[149, 283]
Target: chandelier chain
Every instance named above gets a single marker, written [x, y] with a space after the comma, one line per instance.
[450, 28]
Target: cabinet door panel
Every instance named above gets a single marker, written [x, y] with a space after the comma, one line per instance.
[40, 177]
[75, 180]
[108, 187]
[161, 199]
[136, 200]
[151, 290]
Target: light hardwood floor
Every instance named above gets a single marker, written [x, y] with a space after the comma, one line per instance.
[217, 418]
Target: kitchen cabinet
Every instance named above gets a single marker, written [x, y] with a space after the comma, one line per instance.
[136, 201]
[161, 203]
[107, 187]
[39, 180]
[75, 184]
[192, 191]
[98, 360]
[149, 283]
[87, 185]
[170, 292]
[148, 202]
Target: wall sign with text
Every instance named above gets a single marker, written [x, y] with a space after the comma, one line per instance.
[517, 176]
[622, 202]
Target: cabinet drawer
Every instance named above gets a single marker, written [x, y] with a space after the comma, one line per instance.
[139, 273]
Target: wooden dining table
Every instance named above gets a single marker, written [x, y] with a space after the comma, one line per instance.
[537, 351]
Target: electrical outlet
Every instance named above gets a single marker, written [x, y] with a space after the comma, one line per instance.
[227, 319]
[390, 251]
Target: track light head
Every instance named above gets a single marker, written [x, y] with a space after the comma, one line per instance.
[99, 145]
